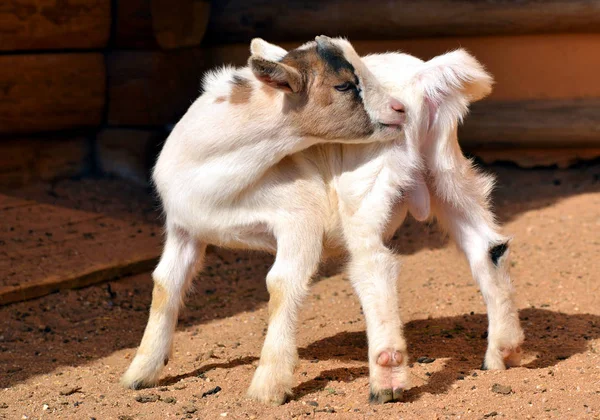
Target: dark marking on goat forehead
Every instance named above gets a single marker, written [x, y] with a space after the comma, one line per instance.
[335, 59]
[311, 55]
[497, 252]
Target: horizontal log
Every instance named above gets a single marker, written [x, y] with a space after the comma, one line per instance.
[540, 124]
[26, 160]
[297, 20]
[129, 153]
[54, 24]
[531, 158]
[562, 66]
[160, 23]
[51, 92]
[152, 88]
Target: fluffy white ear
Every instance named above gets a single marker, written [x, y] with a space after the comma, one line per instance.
[262, 48]
[452, 81]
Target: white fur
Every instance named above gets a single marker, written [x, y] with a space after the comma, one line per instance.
[262, 188]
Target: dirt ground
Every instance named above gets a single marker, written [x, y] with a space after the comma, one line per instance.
[61, 356]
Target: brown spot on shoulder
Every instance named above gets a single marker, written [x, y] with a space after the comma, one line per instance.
[220, 99]
[241, 90]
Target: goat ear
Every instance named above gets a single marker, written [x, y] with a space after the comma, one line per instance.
[455, 73]
[452, 81]
[266, 50]
[275, 74]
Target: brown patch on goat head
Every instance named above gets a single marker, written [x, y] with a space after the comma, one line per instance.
[320, 109]
[241, 90]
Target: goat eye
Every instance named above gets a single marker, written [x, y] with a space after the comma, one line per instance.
[344, 87]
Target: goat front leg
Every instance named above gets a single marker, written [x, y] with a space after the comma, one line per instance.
[298, 255]
[461, 206]
[373, 273]
[180, 261]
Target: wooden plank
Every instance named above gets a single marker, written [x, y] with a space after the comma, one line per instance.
[179, 24]
[47, 248]
[532, 124]
[51, 92]
[524, 67]
[295, 20]
[148, 24]
[54, 24]
[531, 158]
[25, 160]
[152, 88]
[129, 154]
[133, 25]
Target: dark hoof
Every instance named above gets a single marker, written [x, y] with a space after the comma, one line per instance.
[483, 366]
[386, 396]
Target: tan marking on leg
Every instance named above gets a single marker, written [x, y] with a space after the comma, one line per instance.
[160, 297]
[275, 301]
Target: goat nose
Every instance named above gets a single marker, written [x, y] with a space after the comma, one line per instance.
[397, 105]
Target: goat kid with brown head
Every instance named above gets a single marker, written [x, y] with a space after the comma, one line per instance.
[213, 174]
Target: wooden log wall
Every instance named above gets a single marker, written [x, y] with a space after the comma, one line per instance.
[106, 72]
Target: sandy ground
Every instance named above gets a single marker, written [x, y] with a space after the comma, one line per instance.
[61, 356]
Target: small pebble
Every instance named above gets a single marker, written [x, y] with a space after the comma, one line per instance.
[313, 403]
[501, 389]
[147, 398]
[425, 360]
[70, 390]
[211, 391]
[189, 409]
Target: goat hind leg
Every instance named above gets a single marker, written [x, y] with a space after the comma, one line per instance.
[298, 255]
[472, 226]
[180, 261]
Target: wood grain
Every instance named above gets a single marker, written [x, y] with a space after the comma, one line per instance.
[46, 92]
[150, 24]
[527, 124]
[47, 248]
[54, 24]
[298, 20]
[129, 153]
[153, 88]
[25, 160]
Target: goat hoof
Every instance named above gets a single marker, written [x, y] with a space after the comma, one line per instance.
[143, 372]
[389, 377]
[386, 395]
[270, 385]
[502, 359]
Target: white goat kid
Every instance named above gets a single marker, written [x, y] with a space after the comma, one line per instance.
[218, 185]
